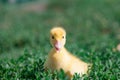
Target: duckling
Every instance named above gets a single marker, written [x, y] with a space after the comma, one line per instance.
[60, 58]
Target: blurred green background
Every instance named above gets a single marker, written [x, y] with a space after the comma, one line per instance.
[26, 24]
[93, 28]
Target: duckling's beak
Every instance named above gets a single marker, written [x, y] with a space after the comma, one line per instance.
[58, 46]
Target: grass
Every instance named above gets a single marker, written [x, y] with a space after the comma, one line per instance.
[93, 32]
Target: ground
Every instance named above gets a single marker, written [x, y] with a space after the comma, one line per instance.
[93, 33]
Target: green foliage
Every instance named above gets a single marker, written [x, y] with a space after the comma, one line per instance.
[27, 66]
[93, 32]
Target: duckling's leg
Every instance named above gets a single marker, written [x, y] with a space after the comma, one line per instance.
[70, 75]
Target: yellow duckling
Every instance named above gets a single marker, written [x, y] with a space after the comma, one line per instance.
[60, 58]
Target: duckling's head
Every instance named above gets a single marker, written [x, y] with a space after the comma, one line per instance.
[58, 38]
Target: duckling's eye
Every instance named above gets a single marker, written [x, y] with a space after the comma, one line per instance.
[63, 37]
[52, 37]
